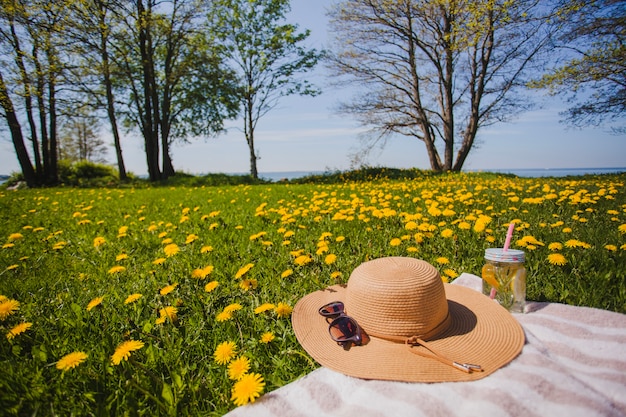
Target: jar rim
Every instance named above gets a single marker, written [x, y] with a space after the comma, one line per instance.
[501, 255]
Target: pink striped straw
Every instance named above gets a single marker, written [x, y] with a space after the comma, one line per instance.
[509, 234]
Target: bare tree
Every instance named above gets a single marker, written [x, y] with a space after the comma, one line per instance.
[436, 70]
[592, 69]
[267, 54]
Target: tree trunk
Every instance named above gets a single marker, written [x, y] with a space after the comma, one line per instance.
[16, 134]
[150, 125]
[109, 94]
[250, 139]
[53, 174]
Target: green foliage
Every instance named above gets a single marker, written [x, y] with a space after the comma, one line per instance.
[62, 249]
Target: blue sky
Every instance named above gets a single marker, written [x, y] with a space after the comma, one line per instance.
[304, 134]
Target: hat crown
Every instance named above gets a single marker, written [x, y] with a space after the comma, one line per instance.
[397, 297]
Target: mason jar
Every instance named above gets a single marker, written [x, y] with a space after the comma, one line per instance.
[504, 278]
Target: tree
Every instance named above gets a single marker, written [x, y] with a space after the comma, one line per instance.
[35, 63]
[79, 138]
[171, 75]
[267, 55]
[593, 74]
[436, 70]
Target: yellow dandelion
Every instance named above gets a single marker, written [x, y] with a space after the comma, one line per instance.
[248, 284]
[94, 303]
[247, 389]
[554, 246]
[395, 242]
[171, 249]
[446, 233]
[168, 312]
[622, 228]
[71, 360]
[450, 273]
[224, 352]
[8, 245]
[98, 241]
[442, 260]
[610, 248]
[557, 259]
[117, 269]
[286, 273]
[122, 352]
[223, 316]
[132, 298]
[15, 236]
[211, 286]
[206, 249]
[264, 307]
[242, 271]
[238, 368]
[330, 259]
[231, 308]
[168, 289]
[121, 257]
[191, 238]
[12, 267]
[267, 337]
[335, 275]
[17, 330]
[158, 261]
[283, 310]
[303, 260]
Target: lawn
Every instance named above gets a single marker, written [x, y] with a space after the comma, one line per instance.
[176, 300]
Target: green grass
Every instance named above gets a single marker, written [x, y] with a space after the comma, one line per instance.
[50, 265]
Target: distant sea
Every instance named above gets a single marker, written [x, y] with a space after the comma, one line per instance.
[528, 172]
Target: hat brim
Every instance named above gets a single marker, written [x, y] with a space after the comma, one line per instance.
[481, 332]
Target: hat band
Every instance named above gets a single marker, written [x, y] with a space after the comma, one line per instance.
[417, 340]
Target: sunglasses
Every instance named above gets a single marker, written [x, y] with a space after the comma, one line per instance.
[343, 329]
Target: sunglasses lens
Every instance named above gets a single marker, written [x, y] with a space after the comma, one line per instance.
[332, 309]
[345, 329]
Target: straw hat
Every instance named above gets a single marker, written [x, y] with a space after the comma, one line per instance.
[417, 329]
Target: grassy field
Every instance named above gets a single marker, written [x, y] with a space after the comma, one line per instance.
[176, 300]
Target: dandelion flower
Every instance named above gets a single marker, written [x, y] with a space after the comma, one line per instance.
[132, 298]
[283, 310]
[446, 233]
[267, 337]
[442, 260]
[238, 368]
[191, 238]
[98, 241]
[248, 284]
[15, 236]
[247, 389]
[330, 259]
[206, 249]
[158, 261]
[211, 286]
[71, 360]
[122, 352]
[231, 308]
[610, 248]
[117, 269]
[224, 316]
[121, 257]
[622, 228]
[264, 307]
[171, 249]
[242, 271]
[286, 273]
[557, 259]
[395, 242]
[554, 246]
[12, 267]
[224, 352]
[168, 312]
[450, 273]
[8, 245]
[19, 329]
[303, 260]
[94, 303]
[167, 289]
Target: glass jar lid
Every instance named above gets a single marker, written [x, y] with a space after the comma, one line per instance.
[508, 256]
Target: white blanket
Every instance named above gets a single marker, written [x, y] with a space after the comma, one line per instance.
[573, 364]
